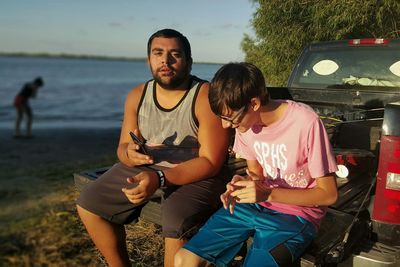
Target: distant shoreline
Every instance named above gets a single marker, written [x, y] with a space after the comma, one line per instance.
[67, 56]
[76, 56]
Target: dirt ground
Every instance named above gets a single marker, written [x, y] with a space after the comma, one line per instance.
[56, 146]
[38, 221]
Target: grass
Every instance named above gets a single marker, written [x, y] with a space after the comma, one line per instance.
[40, 225]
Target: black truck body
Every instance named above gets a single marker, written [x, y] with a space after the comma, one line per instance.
[354, 85]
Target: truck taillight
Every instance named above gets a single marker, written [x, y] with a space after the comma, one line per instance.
[368, 41]
[386, 212]
[393, 181]
[387, 196]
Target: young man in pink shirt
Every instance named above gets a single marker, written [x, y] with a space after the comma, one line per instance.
[289, 180]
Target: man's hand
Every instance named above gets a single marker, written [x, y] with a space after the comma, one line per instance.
[134, 156]
[251, 190]
[146, 184]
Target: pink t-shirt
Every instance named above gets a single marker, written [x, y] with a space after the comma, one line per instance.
[293, 152]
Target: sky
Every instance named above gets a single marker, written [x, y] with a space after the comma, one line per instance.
[215, 28]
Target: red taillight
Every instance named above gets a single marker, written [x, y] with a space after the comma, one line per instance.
[368, 41]
[353, 162]
[387, 196]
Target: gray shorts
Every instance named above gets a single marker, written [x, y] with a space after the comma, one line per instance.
[183, 208]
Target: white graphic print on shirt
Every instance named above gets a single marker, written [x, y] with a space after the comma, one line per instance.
[274, 160]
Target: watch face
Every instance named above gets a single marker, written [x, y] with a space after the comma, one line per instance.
[342, 171]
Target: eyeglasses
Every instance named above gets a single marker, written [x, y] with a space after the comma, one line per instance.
[233, 119]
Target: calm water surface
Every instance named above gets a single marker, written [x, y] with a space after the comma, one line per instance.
[77, 93]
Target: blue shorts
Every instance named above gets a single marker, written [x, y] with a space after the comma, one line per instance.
[221, 238]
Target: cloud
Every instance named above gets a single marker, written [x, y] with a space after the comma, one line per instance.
[207, 33]
[229, 26]
[115, 25]
[203, 33]
[175, 25]
[57, 45]
[82, 32]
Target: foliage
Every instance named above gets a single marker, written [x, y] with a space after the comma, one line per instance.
[283, 28]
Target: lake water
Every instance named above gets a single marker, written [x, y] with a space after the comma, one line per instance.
[77, 92]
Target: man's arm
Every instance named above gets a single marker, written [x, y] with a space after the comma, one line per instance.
[213, 140]
[126, 151]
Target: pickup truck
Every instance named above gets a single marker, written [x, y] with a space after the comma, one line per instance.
[354, 86]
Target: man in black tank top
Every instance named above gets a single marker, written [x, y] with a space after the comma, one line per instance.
[172, 113]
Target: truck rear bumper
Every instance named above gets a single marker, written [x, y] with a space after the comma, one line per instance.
[374, 254]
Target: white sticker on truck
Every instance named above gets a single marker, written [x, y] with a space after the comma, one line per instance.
[395, 68]
[325, 67]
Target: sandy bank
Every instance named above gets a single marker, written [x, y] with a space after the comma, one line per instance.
[55, 146]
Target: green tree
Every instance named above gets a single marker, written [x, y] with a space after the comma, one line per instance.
[283, 28]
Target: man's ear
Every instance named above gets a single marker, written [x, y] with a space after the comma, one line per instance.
[255, 103]
[190, 63]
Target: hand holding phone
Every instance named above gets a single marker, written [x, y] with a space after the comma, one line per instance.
[140, 143]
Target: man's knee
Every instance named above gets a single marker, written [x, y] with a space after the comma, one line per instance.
[173, 217]
[84, 213]
[80, 210]
[179, 224]
[186, 208]
[183, 219]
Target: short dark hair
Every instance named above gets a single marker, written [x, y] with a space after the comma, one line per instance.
[38, 81]
[170, 33]
[234, 85]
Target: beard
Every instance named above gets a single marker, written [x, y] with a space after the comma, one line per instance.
[171, 82]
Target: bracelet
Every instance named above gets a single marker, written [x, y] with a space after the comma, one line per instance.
[161, 178]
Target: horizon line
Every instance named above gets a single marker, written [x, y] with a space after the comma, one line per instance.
[83, 56]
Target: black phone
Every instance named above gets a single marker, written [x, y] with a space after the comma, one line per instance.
[138, 141]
